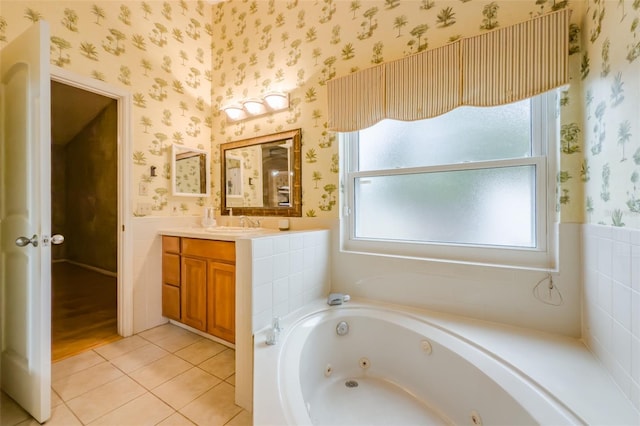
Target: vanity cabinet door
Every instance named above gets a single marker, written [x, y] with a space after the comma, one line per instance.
[193, 292]
[221, 295]
[171, 301]
[171, 277]
[199, 284]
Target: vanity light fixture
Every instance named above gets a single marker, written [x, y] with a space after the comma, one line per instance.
[277, 100]
[234, 112]
[255, 107]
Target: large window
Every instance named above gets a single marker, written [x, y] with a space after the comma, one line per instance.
[475, 185]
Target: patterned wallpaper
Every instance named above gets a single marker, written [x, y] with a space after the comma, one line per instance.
[609, 67]
[296, 46]
[182, 60]
[160, 51]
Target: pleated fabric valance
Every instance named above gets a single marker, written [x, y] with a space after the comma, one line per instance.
[493, 68]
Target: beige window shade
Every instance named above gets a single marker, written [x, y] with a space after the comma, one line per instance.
[516, 62]
[358, 100]
[494, 68]
[424, 85]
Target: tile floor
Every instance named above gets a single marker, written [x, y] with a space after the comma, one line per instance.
[164, 376]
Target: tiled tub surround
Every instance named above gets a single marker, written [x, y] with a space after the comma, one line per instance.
[611, 302]
[276, 273]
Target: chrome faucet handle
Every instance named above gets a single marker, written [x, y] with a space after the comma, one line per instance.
[275, 324]
[274, 333]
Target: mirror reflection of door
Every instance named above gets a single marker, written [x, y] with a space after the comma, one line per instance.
[277, 176]
[234, 176]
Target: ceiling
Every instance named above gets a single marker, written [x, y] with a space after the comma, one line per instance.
[71, 110]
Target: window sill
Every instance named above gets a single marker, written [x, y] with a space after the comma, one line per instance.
[513, 259]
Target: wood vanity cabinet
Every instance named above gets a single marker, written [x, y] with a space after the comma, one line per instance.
[171, 277]
[206, 286]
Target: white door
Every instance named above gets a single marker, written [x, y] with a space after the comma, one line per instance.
[25, 221]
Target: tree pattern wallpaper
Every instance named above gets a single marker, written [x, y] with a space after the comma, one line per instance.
[183, 60]
[610, 142]
[158, 51]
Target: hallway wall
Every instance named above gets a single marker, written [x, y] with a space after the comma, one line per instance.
[92, 192]
[84, 190]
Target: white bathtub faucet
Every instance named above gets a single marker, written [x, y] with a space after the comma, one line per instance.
[337, 299]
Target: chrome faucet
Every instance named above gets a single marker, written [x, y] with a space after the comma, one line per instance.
[337, 299]
[252, 223]
[273, 335]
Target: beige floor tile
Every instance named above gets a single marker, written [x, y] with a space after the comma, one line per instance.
[144, 410]
[176, 419]
[121, 347]
[215, 407]
[186, 387]
[74, 364]
[200, 351]
[10, 412]
[170, 337]
[160, 371]
[55, 398]
[138, 358]
[244, 418]
[162, 332]
[105, 398]
[178, 341]
[83, 381]
[222, 365]
[60, 416]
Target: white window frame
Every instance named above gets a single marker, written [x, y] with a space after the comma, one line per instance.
[544, 133]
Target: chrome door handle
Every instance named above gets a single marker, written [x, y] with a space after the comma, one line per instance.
[24, 241]
[55, 239]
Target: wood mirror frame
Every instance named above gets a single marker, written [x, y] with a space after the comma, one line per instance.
[295, 188]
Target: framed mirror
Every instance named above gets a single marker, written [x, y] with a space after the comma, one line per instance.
[190, 166]
[261, 176]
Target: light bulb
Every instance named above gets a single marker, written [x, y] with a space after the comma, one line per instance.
[234, 112]
[254, 106]
[277, 100]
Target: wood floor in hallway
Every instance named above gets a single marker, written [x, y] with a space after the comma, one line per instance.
[83, 310]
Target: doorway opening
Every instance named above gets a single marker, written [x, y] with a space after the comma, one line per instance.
[84, 208]
[90, 161]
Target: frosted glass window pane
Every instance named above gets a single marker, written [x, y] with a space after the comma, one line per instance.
[462, 135]
[485, 206]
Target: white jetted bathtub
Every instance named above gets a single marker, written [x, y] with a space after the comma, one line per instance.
[363, 364]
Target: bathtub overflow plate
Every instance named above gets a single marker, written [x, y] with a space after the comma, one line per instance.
[342, 328]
